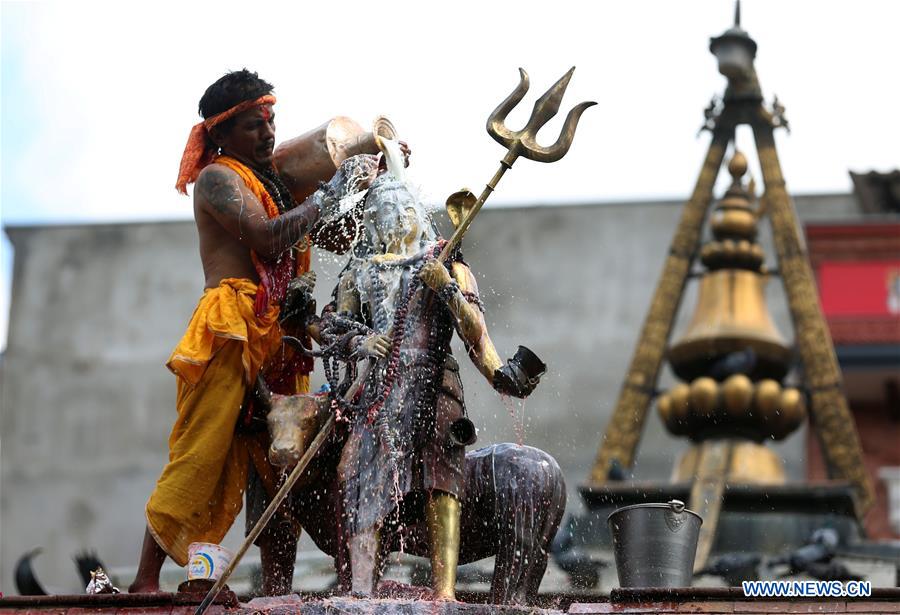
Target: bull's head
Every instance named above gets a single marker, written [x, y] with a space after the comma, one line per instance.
[294, 420]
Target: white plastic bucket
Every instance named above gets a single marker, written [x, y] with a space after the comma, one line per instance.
[207, 560]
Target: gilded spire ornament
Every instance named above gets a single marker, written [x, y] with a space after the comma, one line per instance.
[735, 273]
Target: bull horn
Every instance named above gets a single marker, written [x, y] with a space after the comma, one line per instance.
[298, 345]
[262, 394]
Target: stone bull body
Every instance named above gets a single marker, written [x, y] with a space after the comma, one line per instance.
[514, 500]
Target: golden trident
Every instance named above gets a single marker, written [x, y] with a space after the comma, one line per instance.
[523, 142]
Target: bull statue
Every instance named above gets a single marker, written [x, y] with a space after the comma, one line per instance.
[514, 501]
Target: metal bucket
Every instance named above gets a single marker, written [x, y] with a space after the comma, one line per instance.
[655, 544]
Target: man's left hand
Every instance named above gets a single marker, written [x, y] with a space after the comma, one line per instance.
[435, 275]
[305, 282]
[298, 302]
[407, 152]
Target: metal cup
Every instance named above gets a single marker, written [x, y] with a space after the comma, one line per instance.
[529, 362]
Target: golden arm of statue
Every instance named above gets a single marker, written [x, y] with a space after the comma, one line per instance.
[470, 323]
[346, 300]
[471, 326]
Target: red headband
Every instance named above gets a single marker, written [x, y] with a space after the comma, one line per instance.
[198, 153]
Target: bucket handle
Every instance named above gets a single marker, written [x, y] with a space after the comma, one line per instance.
[675, 516]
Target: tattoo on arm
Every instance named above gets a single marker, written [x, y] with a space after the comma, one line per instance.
[289, 228]
[268, 237]
[222, 191]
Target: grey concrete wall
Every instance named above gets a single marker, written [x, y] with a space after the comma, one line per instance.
[87, 403]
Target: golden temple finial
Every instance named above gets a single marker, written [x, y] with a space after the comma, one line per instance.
[731, 360]
[731, 347]
[737, 166]
[734, 225]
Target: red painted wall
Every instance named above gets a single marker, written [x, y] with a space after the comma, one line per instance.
[860, 288]
[857, 268]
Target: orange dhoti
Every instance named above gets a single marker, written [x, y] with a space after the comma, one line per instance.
[200, 492]
[233, 334]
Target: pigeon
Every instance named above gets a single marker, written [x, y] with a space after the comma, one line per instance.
[26, 583]
[734, 568]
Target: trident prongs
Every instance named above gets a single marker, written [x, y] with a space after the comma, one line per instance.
[495, 123]
[522, 142]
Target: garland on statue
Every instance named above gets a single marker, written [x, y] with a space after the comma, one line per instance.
[339, 329]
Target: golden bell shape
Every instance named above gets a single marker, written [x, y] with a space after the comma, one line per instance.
[731, 315]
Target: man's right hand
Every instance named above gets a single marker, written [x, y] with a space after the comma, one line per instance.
[374, 345]
[407, 152]
[354, 175]
[358, 172]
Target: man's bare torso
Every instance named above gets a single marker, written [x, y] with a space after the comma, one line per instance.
[223, 255]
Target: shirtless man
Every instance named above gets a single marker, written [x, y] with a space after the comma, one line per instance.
[249, 227]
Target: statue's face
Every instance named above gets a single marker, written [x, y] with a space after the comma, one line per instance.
[398, 220]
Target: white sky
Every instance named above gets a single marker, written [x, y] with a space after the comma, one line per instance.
[98, 98]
